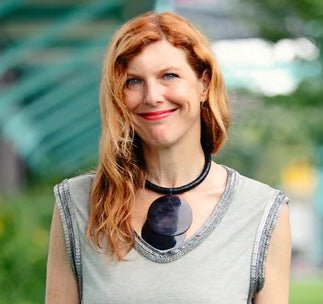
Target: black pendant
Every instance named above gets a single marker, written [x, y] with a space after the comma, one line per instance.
[168, 219]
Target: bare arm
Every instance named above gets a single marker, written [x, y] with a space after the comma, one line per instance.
[61, 285]
[276, 288]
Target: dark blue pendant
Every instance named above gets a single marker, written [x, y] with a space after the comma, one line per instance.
[168, 219]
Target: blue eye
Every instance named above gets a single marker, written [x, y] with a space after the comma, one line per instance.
[132, 82]
[170, 75]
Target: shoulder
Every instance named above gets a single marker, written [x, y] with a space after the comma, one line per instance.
[257, 192]
[81, 184]
[252, 186]
[74, 191]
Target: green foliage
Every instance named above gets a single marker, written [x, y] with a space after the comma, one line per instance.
[307, 95]
[306, 104]
[286, 127]
[277, 19]
[267, 137]
[24, 227]
[306, 292]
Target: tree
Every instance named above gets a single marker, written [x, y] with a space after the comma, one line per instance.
[277, 130]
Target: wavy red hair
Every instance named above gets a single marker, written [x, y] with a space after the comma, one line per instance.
[121, 170]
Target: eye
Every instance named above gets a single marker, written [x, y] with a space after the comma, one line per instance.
[130, 82]
[170, 76]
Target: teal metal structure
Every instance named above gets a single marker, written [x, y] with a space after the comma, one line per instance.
[50, 65]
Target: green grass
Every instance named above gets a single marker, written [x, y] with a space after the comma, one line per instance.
[306, 292]
[24, 230]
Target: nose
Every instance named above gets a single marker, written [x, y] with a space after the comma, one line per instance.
[153, 93]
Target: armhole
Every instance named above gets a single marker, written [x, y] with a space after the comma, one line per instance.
[262, 241]
[70, 229]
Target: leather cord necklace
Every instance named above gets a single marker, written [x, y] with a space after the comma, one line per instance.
[169, 216]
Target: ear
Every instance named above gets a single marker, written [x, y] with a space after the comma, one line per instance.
[205, 81]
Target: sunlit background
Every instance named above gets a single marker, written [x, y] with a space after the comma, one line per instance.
[50, 64]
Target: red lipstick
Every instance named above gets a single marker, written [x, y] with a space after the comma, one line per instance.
[157, 115]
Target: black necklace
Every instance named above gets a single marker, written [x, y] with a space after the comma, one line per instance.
[169, 217]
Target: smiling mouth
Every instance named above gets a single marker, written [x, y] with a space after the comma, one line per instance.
[157, 115]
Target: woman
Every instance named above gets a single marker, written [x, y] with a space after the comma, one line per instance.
[159, 221]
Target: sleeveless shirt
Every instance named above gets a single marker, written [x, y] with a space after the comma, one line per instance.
[223, 262]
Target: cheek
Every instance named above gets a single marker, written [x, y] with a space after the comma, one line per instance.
[187, 89]
[132, 99]
[187, 97]
[178, 94]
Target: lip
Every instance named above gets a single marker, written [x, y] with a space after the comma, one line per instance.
[156, 115]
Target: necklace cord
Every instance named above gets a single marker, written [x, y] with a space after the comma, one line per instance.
[178, 190]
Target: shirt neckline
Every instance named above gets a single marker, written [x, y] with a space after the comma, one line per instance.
[166, 256]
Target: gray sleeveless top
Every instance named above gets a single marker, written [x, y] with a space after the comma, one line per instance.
[223, 262]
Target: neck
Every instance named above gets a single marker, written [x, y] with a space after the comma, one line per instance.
[174, 167]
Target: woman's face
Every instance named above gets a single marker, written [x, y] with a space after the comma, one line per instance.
[163, 95]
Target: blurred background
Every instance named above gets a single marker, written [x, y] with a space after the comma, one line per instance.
[50, 64]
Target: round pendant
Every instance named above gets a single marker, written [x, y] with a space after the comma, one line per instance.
[159, 241]
[168, 219]
[169, 215]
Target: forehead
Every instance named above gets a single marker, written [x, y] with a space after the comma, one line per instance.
[158, 55]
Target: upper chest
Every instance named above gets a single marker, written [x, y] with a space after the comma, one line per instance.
[202, 201]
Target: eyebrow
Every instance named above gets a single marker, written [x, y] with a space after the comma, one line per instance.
[170, 68]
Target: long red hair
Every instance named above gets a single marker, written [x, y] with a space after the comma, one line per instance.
[121, 170]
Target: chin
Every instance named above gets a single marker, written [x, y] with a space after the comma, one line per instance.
[158, 139]
[159, 143]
